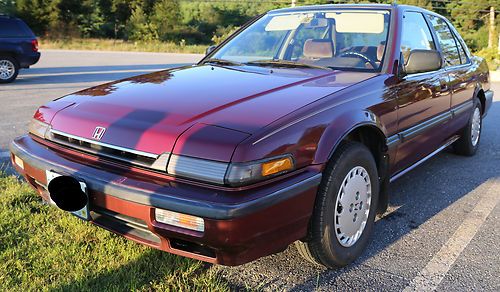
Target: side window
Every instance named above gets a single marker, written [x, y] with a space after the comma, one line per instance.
[12, 28]
[446, 40]
[416, 34]
[461, 51]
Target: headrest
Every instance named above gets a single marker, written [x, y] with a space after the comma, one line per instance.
[381, 51]
[318, 49]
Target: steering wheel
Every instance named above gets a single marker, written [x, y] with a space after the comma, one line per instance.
[360, 56]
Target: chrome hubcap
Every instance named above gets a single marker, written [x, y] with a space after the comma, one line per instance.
[476, 127]
[352, 207]
[7, 69]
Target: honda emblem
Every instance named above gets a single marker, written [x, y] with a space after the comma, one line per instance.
[98, 133]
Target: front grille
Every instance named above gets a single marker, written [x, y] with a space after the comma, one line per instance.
[128, 156]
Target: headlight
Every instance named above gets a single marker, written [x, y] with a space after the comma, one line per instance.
[245, 173]
[38, 128]
[234, 174]
[196, 168]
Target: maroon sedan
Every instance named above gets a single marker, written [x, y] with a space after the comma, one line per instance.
[289, 131]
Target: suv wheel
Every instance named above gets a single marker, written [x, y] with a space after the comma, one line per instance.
[9, 69]
[345, 208]
[469, 141]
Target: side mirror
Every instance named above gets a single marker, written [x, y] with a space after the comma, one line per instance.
[423, 61]
[210, 49]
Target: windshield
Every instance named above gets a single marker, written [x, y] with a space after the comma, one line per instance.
[338, 39]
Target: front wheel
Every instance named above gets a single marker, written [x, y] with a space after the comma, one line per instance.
[345, 208]
[471, 135]
[9, 69]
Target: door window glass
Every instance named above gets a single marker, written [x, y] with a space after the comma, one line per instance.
[416, 34]
[446, 41]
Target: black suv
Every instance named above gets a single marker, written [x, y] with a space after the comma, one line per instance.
[18, 48]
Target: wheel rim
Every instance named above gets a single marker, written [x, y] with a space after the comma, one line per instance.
[7, 69]
[352, 207]
[476, 127]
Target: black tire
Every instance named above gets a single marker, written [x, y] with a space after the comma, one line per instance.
[323, 247]
[465, 144]
[14, 63]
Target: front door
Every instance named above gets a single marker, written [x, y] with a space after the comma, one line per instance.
[423, 98]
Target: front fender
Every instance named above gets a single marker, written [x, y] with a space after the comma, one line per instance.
[340, 128]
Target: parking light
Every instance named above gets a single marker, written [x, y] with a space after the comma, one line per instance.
[180, 220]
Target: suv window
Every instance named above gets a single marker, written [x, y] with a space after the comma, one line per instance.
[11, 27]
[446, 41]
[416, 34]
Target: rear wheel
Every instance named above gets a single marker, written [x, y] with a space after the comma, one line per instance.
[471, 135]
[345, 208]
[9, 68]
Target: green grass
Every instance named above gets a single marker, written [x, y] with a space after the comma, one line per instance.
[120, 45]
[43, 248]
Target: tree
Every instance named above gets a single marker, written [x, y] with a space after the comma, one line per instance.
[139, 26]
[165, 19]
[7, 6]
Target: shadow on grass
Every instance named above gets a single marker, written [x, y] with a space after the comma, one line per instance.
[153, 267]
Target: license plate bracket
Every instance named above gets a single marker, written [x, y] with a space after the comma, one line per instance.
[83, 213]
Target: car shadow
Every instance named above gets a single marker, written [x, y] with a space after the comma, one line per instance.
[415, 198]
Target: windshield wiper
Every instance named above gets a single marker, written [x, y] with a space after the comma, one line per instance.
[222, 62]
[284, 63]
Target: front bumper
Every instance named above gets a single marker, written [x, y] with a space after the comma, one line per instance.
[240, 226]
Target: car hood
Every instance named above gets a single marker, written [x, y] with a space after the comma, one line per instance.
[222, 105]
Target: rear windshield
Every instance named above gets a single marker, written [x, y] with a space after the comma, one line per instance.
[14, 28]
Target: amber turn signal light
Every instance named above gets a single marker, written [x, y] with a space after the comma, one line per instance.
[276, 166]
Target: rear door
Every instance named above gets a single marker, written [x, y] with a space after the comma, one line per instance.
[423, 98]
[458, 65]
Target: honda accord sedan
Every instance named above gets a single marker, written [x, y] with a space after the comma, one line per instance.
[290, 131]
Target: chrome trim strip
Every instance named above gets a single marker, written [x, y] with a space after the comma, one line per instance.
[393, 141]
[468, 105]
[136, 152]
[416, 130]
[198, 169]
[403, 172]
[419, 128]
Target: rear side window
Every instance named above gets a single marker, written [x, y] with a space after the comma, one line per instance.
[461, 51]
[14, 28]
[446, 41]
[416, 34]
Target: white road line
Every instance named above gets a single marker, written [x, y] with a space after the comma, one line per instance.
[429, 278]
[5, 154]
[28, 74]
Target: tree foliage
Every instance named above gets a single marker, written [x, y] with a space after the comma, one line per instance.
[201, 22]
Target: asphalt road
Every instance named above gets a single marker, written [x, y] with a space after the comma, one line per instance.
[442, 230]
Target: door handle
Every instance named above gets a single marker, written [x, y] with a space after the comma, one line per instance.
[443, 87]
